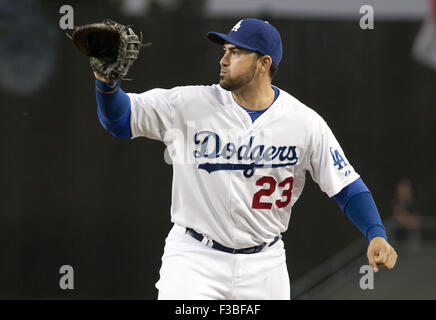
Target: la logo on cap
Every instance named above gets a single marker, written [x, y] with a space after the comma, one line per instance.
[237, 26]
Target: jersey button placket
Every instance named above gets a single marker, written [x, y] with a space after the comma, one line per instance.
[233, 202]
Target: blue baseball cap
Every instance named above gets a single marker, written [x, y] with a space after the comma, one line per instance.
[253, 34]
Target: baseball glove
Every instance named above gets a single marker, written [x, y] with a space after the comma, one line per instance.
[111, 47]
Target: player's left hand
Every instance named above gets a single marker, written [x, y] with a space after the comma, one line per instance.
[381, 254]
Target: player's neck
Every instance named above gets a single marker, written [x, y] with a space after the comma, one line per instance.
[254, 97]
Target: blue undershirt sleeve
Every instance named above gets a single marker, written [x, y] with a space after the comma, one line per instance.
[113, 109]
[359, 206]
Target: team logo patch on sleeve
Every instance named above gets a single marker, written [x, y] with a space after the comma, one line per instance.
[338, 160]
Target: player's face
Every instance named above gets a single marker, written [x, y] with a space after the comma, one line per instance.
[238, 67]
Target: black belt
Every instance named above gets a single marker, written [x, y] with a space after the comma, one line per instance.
[220, 247]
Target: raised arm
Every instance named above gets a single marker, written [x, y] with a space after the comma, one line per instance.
[112, 48]
[113, 107]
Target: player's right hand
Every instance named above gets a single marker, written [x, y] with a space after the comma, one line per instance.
[381, 254]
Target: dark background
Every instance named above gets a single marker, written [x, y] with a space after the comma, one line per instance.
[71, 194]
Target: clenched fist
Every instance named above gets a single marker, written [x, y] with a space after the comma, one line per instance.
[381, 254]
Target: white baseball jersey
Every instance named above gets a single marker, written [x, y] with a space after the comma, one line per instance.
[235, 181]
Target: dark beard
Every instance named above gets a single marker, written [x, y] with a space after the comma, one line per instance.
[235, 84]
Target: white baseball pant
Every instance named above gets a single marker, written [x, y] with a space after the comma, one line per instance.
[191, 270]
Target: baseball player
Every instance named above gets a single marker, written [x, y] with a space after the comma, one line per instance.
[240, 151]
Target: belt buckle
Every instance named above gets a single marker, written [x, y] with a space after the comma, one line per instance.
[209, 243]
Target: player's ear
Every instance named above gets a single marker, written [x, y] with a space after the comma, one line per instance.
[265, 63]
